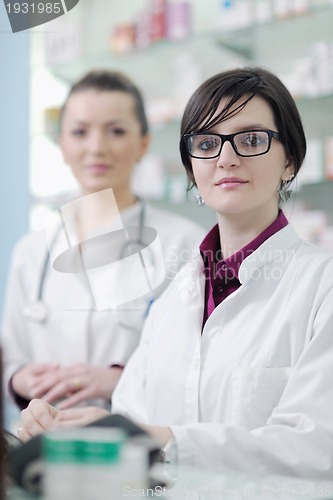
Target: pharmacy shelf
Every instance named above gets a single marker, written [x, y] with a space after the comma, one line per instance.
[316, 113]
[168, 71]
[280, 39]
[318, 196]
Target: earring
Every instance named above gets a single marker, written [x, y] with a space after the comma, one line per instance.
[285, 193]
[199, 201]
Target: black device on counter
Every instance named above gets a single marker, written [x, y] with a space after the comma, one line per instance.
[24, 460]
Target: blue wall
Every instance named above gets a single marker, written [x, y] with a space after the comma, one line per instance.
[14, 140]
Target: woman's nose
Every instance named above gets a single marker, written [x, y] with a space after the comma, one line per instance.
[96, 142]
[228, 156]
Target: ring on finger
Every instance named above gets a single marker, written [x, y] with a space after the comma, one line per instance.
[76, 383]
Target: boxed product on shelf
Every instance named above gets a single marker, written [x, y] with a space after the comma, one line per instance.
[263, 11]
[178, 20]
[236, 14]
[158, 12]
[312, 168]
[64, 42]
[123, 38]
[301, 6]
[282, 8]
[312, 74]
[321, 54]
[163, 19]
[52, 122]
[142, 32]
[287, 8]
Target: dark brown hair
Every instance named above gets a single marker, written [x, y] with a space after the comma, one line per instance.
[110, 81]
[241, 85]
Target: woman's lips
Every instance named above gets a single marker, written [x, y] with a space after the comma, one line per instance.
[230, 182]
[98, 168]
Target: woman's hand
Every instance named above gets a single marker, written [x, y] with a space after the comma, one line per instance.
[77, 383]
[79, 417]
[36, 418]
[30, 376]
[40, 417]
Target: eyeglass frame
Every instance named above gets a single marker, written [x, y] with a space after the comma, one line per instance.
[230, 138]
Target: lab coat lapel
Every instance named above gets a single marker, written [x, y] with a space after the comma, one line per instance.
[272, 249]
[191, 280]
[191, 285]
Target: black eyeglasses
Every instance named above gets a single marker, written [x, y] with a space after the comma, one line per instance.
[205, 146]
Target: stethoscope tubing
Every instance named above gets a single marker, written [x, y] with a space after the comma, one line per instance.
[44, 269]
[45, 266]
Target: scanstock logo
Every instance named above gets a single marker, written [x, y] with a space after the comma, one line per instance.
[25, 15]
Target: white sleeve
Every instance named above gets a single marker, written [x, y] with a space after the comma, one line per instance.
[14, 337]
[129, 397]
[298, 436]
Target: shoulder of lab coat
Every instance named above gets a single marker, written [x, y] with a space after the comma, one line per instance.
[175, 230]
[32, 245]
[179, 238]
[27, 257]
[278, 417]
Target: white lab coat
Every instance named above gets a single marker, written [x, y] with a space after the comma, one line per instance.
[254, 392]
[73, 332]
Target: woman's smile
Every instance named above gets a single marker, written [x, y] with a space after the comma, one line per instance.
[230, 182]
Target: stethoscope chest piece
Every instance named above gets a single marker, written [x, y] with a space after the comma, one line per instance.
[36, 311]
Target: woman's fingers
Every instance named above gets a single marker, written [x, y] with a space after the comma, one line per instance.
[37, 418]
[77, 417]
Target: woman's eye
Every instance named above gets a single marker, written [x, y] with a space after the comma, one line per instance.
[79, 132]
[252, 139]
[207, 144]
[116, 131]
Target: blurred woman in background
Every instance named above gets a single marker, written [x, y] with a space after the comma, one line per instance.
[61, 348]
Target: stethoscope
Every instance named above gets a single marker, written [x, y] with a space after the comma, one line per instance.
[37, 310]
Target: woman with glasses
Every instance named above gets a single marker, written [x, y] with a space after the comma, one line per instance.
[234, 366]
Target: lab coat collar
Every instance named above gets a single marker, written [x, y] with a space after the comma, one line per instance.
[274, 248]
[191, 280]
